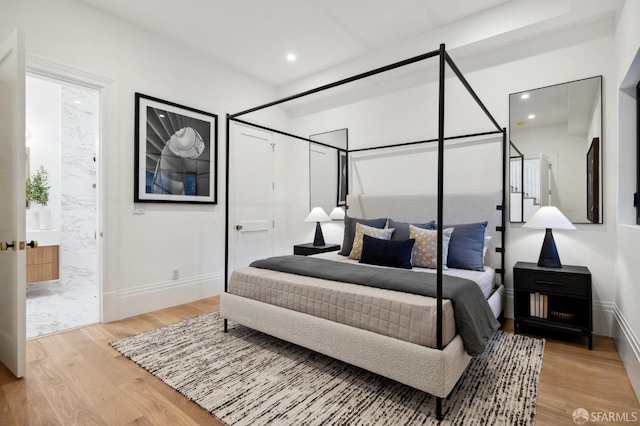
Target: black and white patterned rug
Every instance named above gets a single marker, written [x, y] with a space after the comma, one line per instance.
[246, 377]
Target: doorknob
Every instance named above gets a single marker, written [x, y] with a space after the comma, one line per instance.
[238, 227]
[4, 246]
[32, 244]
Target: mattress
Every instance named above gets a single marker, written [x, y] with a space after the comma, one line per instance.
[404, 316]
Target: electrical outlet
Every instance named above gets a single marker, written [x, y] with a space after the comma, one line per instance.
[176, 274]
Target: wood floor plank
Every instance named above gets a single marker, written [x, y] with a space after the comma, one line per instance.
[574, 377]
[77, 378]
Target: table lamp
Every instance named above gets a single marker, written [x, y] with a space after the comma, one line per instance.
[318, 215]
[337, 213]
[549, 217]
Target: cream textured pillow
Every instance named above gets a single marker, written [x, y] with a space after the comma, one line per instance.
[425, 249]
[383, 234]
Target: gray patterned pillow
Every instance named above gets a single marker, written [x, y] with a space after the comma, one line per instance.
[361, 230]
[425, 248]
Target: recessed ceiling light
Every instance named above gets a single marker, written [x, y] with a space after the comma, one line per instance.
[77, 102]
[531, 116]
[291, 57]
[161, 115]
[524, 96]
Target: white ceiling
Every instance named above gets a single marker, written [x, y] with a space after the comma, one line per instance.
[255, 36]
[570, 104]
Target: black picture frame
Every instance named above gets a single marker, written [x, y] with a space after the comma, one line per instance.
[176, 153]
[342, 178]
[593, 181]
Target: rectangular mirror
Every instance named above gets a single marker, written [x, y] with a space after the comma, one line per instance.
[327, 170]
[556, 150]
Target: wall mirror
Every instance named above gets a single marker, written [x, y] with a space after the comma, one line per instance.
[328, 169]
[556, 150]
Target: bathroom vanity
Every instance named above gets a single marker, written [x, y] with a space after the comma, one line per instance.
[43, 262]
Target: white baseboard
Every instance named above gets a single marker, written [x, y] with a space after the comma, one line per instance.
[603, 318]
[628, 348]
[152, 297]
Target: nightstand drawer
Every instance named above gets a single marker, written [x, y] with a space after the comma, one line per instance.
[553, 283]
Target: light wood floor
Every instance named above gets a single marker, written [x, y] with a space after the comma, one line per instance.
[76, 378]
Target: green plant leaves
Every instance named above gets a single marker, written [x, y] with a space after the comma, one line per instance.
[38, 188]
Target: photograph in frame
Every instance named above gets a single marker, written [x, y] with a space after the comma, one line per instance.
[593, 181]
[342, 178]
[175, 153]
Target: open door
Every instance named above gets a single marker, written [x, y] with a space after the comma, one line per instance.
[12, 205]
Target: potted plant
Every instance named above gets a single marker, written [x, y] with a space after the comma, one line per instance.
[38, 187]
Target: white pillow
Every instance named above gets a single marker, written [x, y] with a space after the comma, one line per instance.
[484, 247]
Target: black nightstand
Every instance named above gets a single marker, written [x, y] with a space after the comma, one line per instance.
[309, 249]
[553, 298]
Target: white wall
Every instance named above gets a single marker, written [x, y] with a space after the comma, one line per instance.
[140, 251]
[43, 112]
[411, 114]
[627, 325]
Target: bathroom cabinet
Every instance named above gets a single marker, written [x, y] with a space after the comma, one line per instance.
[43, 264]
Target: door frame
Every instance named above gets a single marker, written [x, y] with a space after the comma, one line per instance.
[106, 214]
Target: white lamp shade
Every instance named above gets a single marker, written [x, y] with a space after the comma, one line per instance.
[317, 214]
[549, 217]
[337, 213]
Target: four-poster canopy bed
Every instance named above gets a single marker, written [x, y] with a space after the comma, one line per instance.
[428, 355]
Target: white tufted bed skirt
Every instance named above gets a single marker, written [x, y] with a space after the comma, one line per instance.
[430, 370]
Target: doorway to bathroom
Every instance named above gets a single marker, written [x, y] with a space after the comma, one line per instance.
[62, 137]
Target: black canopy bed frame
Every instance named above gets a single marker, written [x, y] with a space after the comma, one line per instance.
[444, 59]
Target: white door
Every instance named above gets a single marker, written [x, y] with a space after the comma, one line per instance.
[253, 195]
[12, 205]
[545, 188]
[323, 177]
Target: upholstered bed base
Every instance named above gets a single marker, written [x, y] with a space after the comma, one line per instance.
[430, 370]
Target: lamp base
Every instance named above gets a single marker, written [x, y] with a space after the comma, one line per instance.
[318, 240]
[549, 253]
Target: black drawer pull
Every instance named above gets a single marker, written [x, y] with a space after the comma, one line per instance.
[549, 282]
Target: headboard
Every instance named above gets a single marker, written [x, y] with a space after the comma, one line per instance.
[459, 207]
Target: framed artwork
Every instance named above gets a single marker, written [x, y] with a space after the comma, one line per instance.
[176, 153]
[342, 178]
[593, 181]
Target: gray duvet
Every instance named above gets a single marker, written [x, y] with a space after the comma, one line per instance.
[474, 319]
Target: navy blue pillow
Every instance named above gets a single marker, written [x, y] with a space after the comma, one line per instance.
[402, 228]
[350, 231]
[396, 254]
[465, 246]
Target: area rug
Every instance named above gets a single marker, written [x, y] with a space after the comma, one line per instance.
[245, 377]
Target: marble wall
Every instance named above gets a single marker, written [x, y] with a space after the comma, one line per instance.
[78, 245]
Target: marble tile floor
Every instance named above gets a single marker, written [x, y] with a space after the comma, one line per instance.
[52, 307]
